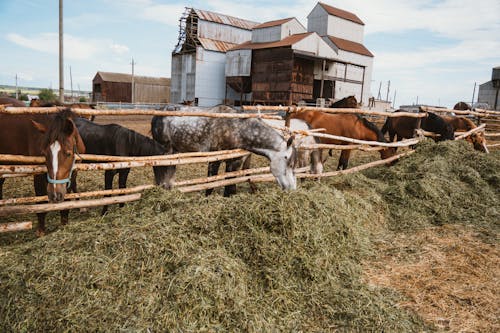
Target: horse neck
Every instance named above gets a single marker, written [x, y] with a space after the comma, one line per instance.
[261, 139]
[372, 132]
[140, 145]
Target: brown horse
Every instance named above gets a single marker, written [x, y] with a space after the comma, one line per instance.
[348, 125]
[462, 106]
[347, 102]
[53, 136]
[464, 124]
[404, 127]
[37, 103]
[9, 101]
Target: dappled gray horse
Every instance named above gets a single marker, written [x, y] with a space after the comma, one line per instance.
[190, 134]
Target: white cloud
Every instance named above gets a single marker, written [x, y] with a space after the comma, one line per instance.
[119, 49]
[167, 14]
[75, 48]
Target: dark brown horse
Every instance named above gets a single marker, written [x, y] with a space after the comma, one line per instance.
[9, 101]
[462, 106]
[404, 127]
[53, 136]
[347, 102]
[462, 124]
[348, 125]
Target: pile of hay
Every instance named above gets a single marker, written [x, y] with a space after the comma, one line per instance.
[271, 261]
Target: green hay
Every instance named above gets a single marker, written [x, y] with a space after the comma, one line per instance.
[271, 261]
[442, 183]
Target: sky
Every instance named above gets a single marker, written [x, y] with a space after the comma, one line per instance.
[430, 50]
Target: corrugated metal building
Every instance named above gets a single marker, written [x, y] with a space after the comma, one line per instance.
[489, 92]
[284, 63]
[221, 59]
[117, 87]
[199, 59]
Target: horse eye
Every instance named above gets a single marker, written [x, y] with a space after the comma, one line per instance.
[68, 153]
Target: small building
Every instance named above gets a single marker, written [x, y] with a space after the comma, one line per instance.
[344, 32]
[117, 87]
[199, 59]
[489, 92]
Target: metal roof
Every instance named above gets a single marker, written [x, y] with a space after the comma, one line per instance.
[341, 13]
[273, 23]
[288, 41]
[350, 46]
[225, 19]
[127, 78]
[215, 45]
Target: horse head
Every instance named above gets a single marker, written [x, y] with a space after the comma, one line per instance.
[478, 141]
[282, 164]
[60, 144]
[35, 102]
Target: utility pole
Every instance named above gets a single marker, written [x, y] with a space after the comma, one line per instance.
[133, 83]
[379, 97]
[61, 54]
[473, 94]
[17, 95]
[71, 82]
[394, 100]
[388, 88]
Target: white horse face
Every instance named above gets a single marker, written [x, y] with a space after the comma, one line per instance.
[282, 164]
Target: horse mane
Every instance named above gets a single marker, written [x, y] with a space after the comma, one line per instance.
[56, 130]
[372, 127]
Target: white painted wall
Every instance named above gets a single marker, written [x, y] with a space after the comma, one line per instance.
[324, 24]
[315, 45]
[292, 27]
[341, 28]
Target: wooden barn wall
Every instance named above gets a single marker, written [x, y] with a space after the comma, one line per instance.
[272, 75]
[151, 93]
[116, 92]
[276, 74]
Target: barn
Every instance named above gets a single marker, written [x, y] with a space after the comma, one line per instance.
[198, 60]
[117, 87]
[278, 65]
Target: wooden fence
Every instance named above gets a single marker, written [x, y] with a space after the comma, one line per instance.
[35, 165]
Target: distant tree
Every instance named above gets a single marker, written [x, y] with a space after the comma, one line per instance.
[83, 99]
[23, 97]
[47, 95]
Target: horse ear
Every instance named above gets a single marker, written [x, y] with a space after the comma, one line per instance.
[290, 141]
[69, 127]
[40, 127]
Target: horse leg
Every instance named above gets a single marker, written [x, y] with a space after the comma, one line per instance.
[316, 165]
[122, 179]
[344, 159]
[246, 165]
[213, 170]
[40, 184]
[108, 185]
[2, 180]
[232, 165]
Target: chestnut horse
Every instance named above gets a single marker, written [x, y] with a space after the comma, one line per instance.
[464, 124]
[404, 127]
[348, 125]
[37, 103]
[53, 136]
[347, 102]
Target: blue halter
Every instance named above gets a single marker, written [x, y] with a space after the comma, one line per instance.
[65, 180]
